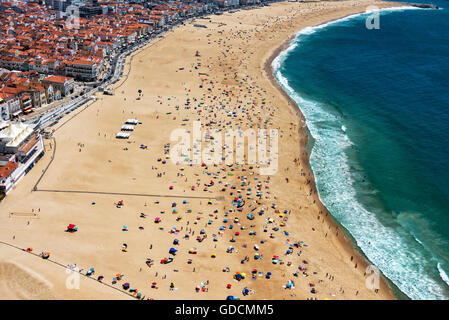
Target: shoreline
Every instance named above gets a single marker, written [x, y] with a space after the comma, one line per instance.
[304, 132]
[331, 254]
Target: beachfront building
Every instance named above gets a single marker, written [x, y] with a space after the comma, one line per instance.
[21, 91]
[9, 106]
[7, 172]
[24, 97]
[58, 87]
[20, 148]
[227, 3]
[82, 69]
[248, 2]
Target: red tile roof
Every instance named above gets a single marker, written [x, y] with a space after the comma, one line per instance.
[58, 79]
[7, 169]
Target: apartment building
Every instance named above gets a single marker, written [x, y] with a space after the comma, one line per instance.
[58, 87]
[81, 69]
[9, 106]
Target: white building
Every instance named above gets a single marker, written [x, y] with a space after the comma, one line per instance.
[84, 70]
[20, 148]
[9, 106]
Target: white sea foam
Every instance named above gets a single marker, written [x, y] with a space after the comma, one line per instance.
[443, 274]
[396, 253]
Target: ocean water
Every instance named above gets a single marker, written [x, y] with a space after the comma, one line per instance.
[376, 103]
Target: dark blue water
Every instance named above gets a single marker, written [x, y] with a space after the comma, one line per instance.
[376, 103]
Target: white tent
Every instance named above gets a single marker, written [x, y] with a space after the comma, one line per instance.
[122, 135]
[127, 128]
[131, 121]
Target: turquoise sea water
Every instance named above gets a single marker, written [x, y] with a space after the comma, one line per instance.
[376, 104]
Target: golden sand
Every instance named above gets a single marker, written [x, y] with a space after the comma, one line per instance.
[91, 165]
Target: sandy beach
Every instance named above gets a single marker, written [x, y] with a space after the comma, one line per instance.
[189, 74]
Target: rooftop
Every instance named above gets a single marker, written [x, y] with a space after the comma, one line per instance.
[7, 169]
